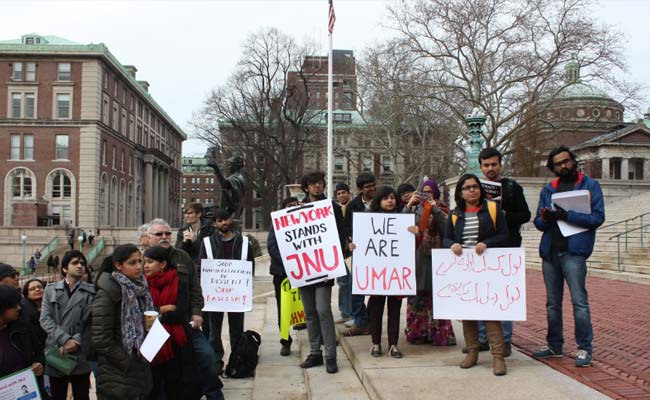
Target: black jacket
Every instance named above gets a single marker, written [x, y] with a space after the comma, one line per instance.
[487, 233]
[217, 248]
[193, 248]
[22, 338]
[277, 266]
[355, 205]
[513, 202]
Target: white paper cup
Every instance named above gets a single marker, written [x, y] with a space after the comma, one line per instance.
[149, 318]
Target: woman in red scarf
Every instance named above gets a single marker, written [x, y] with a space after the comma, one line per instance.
[171, 368]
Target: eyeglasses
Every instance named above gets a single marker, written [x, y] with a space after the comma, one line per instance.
[160, 234]
[470, 188]
[33, 288]
[562, 163]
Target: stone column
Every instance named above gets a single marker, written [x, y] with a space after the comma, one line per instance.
[148, 191]
[156, 192]
[605, 168]
[165, 199]
[646, 169]
[625, 167]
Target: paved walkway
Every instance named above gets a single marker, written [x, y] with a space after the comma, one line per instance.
[620, 313]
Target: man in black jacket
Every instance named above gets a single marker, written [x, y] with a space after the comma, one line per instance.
[515, 208]
[367, 186]
[225, 244]
[279, 274]
[190, 236]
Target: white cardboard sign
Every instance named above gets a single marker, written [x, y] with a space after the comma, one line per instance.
[490, 287]
[21, 385]
[308, 241]
[227, 285]
[383, 262]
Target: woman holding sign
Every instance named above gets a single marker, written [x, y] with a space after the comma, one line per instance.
[118, 328]
[477, 223]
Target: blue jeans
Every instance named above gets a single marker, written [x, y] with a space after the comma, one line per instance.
[206, 361]
[506, 327]
[345, 291]
[359, 313]
[573, 269]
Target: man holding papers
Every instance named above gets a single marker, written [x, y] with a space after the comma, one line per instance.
[565, 251]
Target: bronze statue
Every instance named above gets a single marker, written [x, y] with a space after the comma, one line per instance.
[231, 188]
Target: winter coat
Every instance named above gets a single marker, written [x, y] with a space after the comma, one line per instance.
[581, 244]
[185, 264]
[65, 318]
[193, 248]
[277, 266]
[488, 233]
[513, 202]
[24, 341]
[119, 376]
[217, 248]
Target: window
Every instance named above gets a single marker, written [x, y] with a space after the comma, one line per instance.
[16, 105]
[21, 184]
[104, 152]
[63, 105]
[115, 88]
[124, 96]
[114, 158]
[635, 169]
[387, 164]
[122, 161]
[615, 168]
[124, 127]
[105, 112]
[61, 186]
[338, 164]
[61, 144]
[63, 72]
[130, 165]
[115, 116]
[28, 147]
[347, 100]
[22, 105]
[30, 71]
[366, 164]
[342, 117]
[15, 147]
[184, 180]
[17, 74]
[29, 105]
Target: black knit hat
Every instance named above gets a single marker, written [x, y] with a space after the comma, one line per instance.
[7, 270]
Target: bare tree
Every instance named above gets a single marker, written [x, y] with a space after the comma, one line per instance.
[503, 56]
[261, 112]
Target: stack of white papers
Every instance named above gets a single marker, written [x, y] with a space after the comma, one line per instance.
[575, 200]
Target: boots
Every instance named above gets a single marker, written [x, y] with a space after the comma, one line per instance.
[495, 338]
[470, 331]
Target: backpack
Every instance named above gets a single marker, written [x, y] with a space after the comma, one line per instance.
[244, 357]
[492, 209]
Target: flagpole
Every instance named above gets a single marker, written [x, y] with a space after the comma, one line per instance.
[330, 161]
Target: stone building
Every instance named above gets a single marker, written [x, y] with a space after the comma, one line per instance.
[199, 182]
[87, 145]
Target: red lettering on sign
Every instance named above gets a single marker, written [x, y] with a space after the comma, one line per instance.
[306, 264]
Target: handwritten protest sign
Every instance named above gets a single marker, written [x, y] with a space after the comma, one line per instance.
[490, 287]
[292, 311]
[308, 241]
[227, 285]
[20, 385]
[383, 261]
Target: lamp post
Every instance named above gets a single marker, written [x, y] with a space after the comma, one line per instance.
[23, 240]
[475, 123]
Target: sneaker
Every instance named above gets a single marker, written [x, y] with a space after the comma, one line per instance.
[547, 352]
[583, 359]
[330, 366]
[349, 323]
[285, 350]
[312, 361]
[300, 326]
[375, 350]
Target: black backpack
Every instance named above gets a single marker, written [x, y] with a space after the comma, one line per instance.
[244, 357]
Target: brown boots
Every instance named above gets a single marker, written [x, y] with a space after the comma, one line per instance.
[495, 338]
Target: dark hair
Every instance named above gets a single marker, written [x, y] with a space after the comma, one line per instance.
[404, 188]
[161, 254]
[9, 298]
[123, 252]
[26, 285]
[69, 256]
[489, 152]
[196, 207]
[220, 214]
[311, 178]
[341, 186]
[460, 202]
[384, 192]
[89, 272]
[364, 179]
[288, 200]
[555, 152]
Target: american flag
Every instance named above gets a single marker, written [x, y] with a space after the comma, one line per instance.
[331, 17]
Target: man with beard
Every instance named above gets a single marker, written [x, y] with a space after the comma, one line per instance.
[225, 244]
[160, 234]
[564, 258]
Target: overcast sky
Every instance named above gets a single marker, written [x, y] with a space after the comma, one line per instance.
[186, 48]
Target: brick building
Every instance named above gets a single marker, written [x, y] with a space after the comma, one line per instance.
[86, 144]
[199, 182]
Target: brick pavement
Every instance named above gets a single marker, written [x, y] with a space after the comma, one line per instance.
[620, 313]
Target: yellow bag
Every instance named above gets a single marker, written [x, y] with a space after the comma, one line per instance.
[292, 311]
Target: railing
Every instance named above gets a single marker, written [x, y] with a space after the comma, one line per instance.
[45, 251]
[618, 242]
[95, 251]
[625, 221]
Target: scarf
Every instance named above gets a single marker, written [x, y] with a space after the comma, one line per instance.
[164, 290]
[135, 301]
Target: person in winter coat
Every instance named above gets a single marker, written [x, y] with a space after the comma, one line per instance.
[118, 328]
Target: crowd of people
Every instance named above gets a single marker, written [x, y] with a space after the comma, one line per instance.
[95, 322]
[478, 221]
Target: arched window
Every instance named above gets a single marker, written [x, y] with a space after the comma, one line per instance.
[22, 184]
[61, 186]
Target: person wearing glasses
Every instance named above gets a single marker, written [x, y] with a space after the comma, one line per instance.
[565, 258]
[160, 234]
[473, 228]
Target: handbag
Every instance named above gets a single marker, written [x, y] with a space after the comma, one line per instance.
[64, 363]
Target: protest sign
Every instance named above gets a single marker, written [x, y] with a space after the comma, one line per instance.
[383, 262]
[20, 385]
[489, 287]
[492, 189]
[308, 241]
[227, 285]
[292, 311]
